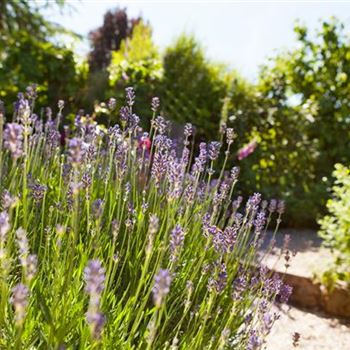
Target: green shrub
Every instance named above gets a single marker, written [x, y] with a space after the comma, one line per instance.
[137, 63]
[299, 113]
[30, 52]
[193, 88]
[335, 227]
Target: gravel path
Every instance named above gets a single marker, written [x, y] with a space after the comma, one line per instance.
[311, 258]
[318, 332]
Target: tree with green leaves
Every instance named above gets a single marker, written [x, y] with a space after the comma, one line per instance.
[31, 53]
[299, 112]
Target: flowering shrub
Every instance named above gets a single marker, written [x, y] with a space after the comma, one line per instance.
[117, 239]
[335, 227]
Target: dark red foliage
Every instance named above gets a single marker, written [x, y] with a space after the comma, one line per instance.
[116, 27]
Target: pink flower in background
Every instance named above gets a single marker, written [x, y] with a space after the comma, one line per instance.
[245, 151]
[145, 143]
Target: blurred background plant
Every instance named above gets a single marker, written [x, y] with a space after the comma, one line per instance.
[335, 226]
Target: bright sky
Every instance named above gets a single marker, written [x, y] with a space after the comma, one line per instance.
[240, 33]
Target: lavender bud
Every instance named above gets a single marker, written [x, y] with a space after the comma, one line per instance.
[124, 114]
[19, 300]
[264, 204]
[130, 96]
[94, 275]
[60, 104]
[230, 135]
[13, 139]
[4, 225]
[234, 173]
[281, 207]
[153, 224]
[31, 91]
[176, 241]
[223, 128]
[218, 283]
[155, 104]
[259, 222]
[75, 151]
[112, 103]
[237, 203]
[96, 321]
[160, 125]
[254, 341]
[188, 131]
[213, 150]
[38, 192]
[272, 206]
[254, 201]
[161, 288]
[7, 200]
[97, 208]
[32, 266]
[285, 292]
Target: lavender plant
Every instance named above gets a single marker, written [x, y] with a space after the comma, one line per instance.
[118, 239]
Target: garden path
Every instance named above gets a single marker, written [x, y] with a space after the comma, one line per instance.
[318, 331]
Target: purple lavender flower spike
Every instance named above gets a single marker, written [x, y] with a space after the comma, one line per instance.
[130, 95]
[234, 173]
[19, 300]
[155, 104]
[272, 206]
[161, 288]
[188, 130]
[259, 222]
[281, 207]
[13, 139]
[200, 161]
[7, 200]
[96, 320]
[254, 341]
[75, 151]
[160, 124]
[112, 103]
[237, 203]
[239, 286]
[94, 275]
[219, 282]
[230, 135]
[38, 192]
[97, 208]
[4, 225]
[124, 114]
[213, 150]
[285, 293]
[176, 241]
[60, 104]
[253, 202]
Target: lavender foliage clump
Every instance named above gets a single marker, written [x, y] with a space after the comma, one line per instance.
[122, 237]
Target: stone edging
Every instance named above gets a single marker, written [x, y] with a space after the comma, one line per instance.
[309, 294]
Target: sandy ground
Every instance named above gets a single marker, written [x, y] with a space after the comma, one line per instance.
[318, 331]
[311, 258]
